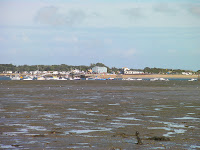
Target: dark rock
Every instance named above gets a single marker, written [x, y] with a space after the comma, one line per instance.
[139, 141]
[38, 135]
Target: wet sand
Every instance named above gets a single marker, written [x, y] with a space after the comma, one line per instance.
[99, 114]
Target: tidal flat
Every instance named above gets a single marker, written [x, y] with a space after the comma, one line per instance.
[98, 115]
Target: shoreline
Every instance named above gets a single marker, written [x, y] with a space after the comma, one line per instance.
[144, 76]
[140, 76]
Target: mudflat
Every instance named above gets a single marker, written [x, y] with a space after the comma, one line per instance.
[99, 115]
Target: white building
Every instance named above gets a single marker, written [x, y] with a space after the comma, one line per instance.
[35, 72]
[128, 71]
[9, 72]
[186, 73]
[133, 72]
[76, 71]
[98, 69]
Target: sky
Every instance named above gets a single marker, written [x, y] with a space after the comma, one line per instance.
[119, 33]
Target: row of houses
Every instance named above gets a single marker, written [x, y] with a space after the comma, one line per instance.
[94, 70]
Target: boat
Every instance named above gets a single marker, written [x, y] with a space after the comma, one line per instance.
[77, 78]
[159, 79]
[154, 79]
[15, 78]
[192, 80]
[90, 78]
[41, 78]
[61, 78]
[27, 78]
[139, 79]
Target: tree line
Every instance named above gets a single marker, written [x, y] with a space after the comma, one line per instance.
[64, 67]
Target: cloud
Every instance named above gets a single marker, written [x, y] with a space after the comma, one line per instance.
[100, 14]
[2, 39]
[51, 16]
[23, 37]
[195, 10]
[133, 13]
[130, 53]
[172, 51]
[67, 40]
[165, 8]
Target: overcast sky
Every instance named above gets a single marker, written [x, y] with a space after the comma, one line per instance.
[120, 33]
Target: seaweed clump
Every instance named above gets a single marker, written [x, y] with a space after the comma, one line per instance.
[159, 138]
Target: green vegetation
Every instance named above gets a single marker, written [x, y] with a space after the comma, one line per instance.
[64, 67]
[164, 71]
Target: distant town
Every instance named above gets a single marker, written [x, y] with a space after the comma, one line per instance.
[97, 71]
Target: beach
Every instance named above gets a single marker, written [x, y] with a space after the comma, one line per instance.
[82, 115]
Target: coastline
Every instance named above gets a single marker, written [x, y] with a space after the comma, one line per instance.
[144, 76]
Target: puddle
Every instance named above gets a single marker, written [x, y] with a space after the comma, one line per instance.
[152, 116]
[86, 122]
[116, 104]
[71, 109]
[174, 125]
[187, 118]
[32, 142]
[192, 106]
[75, 147]
[119, 124]
[168, 134]
[22, 130]
[191, 113]
[195, 146]
[160, 128]
[127, 114]
[90, 113]
[176, 131]
[6, 146]
[62, 124]
[87, 102]
[33, 106]
[50, 116]
[11, 133]
[157, 148]
[71, 118]
[128, 118]
[87, 131]
[94, 111]
[82, 143]
[157, 109]
[37, 128]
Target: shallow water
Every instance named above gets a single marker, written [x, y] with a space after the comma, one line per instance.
[99, 114]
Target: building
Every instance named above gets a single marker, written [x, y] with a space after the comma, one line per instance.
[89, 71]
[128, 71]
[186, 73]
[98, 69]
[133, 72]
[8, 72]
